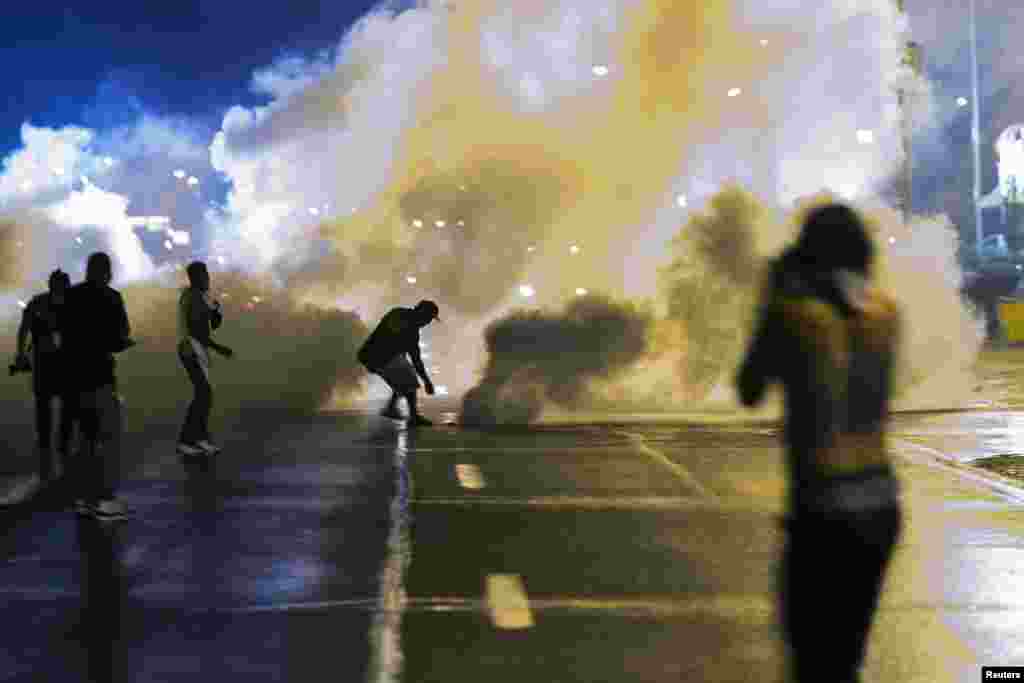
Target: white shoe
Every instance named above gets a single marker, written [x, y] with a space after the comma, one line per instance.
[109, 509]
[208, 448]
[189, 449]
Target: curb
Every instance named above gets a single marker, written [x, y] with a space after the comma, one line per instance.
[1004, 486]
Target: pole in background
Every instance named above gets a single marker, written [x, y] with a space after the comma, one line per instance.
[976, 126]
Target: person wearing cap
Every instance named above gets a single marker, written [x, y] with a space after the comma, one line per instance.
[829, 336]
[388, 352]
[40, 321]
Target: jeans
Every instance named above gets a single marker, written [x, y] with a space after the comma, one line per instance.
[98, 464]
[197, 419]
[833, 568]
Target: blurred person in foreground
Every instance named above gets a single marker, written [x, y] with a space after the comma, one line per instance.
[95, 327]
[830, 339]
[198, 315]
[39, 329]
[388, 351]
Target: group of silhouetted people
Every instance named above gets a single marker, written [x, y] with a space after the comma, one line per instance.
[68, 338]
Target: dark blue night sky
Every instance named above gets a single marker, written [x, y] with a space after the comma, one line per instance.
[100, 63]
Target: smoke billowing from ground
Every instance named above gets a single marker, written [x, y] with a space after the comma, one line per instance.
[470, 151]
[539, 357]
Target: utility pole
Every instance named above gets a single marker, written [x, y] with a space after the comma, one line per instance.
[911, 60]
[976, 126]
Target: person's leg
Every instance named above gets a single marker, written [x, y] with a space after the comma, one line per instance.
[391, 410]
[193, 429]
[66, 428]
[87, 475]
[44, 429]
[109, 442]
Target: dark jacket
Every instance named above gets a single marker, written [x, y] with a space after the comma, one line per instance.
[834, 353]
[397, 332]
[95, 327]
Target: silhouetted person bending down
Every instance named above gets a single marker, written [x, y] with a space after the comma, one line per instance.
[387, 353]
[197, 316]
[830, 339]
[96, 327]
[49, 375]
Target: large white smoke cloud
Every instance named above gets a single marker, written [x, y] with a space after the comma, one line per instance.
[462, 151]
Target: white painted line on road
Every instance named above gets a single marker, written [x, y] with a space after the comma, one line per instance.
[470, 476]
[939, 460]
[19, 491]
[507, 602]
[681, 472]
[737, 504]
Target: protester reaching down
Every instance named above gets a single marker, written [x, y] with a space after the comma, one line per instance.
[388, 352]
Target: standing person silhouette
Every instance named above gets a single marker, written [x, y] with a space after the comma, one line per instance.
[49, 381]
[95, 327]
[830, 338]
[197, 316]
[387, 353]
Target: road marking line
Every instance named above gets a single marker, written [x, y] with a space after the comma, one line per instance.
[681, 472]
[19, 491]
[470, 476]
[940, 460]
[507, 602]
[737, 504]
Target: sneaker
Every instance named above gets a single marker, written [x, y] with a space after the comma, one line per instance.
[419, 421]
[208, 447]
[108, 510]
[189, 449]
[391, 412]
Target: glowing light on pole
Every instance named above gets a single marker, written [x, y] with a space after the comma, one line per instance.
[976, 125]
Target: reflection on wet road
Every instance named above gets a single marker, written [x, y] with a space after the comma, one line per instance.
[343, 548]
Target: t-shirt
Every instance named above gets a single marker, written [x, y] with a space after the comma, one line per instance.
[42, 316]
[396, 333]
[95, 327]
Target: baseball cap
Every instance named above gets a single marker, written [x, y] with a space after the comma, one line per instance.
[429, 307]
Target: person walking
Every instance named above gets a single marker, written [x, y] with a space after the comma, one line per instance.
[197, 316]
[39, 330]
[829, 337]
[95, 327]
[388, 351]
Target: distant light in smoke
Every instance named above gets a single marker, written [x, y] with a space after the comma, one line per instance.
[848, 191]
[526, 291]
[180, 174]
[439, 224]
[26, 185]
[531, 249]
[167, 245]
[734, 92]
[193, 181]
[78, 239]
[417, 223]
[764, 42]
[682, 201]
[22, 303]
[313, 211]
[600, 70]
[179, 237]
[109, 161]
[461, 223]
[580, 291]
[865, 137]
[961, 101]
[221, 260]
[256, 299]
[892, 240]
[411, 280]
[574, 249]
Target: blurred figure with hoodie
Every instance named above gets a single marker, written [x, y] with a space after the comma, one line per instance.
[829, 337]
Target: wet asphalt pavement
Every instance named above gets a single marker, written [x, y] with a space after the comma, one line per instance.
[344, 548]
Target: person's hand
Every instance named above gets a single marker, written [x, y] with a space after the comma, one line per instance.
[225, 351]
[429, 387]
